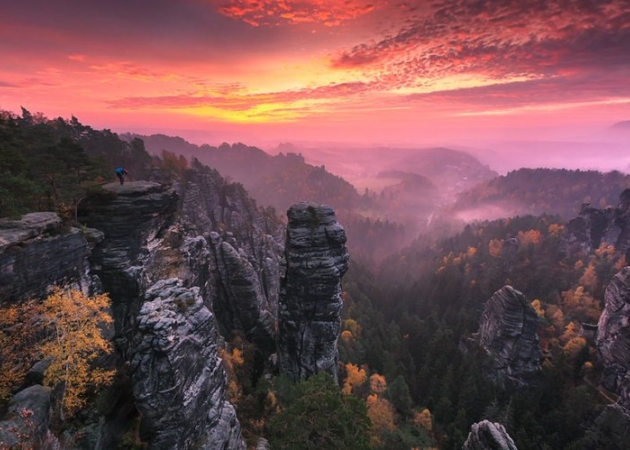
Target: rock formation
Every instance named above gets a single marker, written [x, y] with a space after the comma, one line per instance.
[613, 346]
[610, 226]
[486, 435]
[37, 252]
[26, 422]
[130, 216]
[175, 372]
[177, 382]
[613, 333]
[309, 321]
[246, 251]
[508, 333]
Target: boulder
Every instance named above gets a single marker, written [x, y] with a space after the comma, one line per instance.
[309, 321]
[508, 334]
[26, 422]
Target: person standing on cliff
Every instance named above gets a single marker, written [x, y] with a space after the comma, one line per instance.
[120, 173]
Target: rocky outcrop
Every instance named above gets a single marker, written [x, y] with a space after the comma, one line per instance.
[175, 372]
[508, 334]
[613, 334]
[246, 249]
[36, 252]
[130, 216]
[486, 435]
[610, 226]
[310, 305]
[613, 346]
[165, 328]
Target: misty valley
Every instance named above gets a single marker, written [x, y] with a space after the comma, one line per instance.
[310, 296]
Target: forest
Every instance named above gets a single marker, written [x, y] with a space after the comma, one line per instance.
[411, 376]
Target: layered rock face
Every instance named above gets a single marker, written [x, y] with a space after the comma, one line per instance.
[175, 372]
[595, 226]
[130, 216]
[613, 346]
[164, 327]
[613, 336]
[508, 333]
[486, 435]
[36, 252]
[246, 251]
[309, 316]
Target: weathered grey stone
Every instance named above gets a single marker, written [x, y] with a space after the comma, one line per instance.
[26, 421]
[508, 333]
[245, 258]
[37, 252]
[594, 227]
[309, 321]
[130, 216]
[613, 333]
[486, 435]
[178, 380]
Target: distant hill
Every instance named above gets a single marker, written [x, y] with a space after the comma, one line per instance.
[538, 191]
[451, 170]
[277, 181]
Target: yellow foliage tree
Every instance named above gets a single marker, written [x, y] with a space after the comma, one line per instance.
[356, 377]
[76, 321]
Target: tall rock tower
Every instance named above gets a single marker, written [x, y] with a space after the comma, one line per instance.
[309, 312]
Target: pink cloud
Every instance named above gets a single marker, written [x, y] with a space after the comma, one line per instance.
[274, 13]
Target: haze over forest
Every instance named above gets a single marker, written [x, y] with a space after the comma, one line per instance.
[472, 158]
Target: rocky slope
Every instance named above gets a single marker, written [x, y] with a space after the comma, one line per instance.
[508, 333]
[486, 435]
[309, 315]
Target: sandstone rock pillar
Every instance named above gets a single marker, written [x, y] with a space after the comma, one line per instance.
[309, 312]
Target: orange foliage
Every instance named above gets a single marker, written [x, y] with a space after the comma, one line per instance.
[495, 246]
[378, 384]
[538, 307]
[356, 377]
[381, 414]
[573, 347]
[589, 278]
[529, 237]
[424, 420]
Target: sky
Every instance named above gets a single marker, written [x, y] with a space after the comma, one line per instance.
[366, 71]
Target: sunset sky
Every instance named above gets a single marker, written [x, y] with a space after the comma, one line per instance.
[379, 71]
